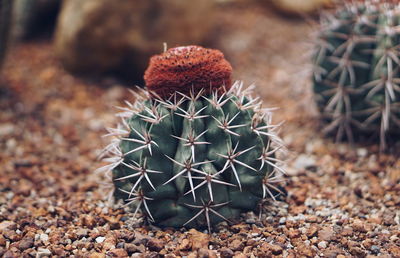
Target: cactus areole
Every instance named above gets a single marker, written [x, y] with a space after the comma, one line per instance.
[193, 150]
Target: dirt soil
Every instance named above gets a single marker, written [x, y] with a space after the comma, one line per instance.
[342, 201]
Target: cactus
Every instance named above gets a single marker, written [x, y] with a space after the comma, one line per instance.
[357, 76]
[193, 151]
[5, 23]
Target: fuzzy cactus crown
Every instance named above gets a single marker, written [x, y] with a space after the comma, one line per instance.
[187, 70]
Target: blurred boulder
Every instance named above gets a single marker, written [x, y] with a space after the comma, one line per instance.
[33, 18]
[101, 36]
[5, 23]
[299, 6]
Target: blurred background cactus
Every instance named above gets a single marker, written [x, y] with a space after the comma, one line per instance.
[357, 76]
[34, 18]
[198, 152]
[5, 24]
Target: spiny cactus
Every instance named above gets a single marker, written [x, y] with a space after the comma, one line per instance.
[357, 74]
[192, 150]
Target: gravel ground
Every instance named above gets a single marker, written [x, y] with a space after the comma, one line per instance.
[341, 201]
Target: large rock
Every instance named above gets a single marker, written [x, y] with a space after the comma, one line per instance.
[102, 36]
[299, 6]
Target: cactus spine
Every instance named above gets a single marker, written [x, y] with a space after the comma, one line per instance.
[193, 156]
[357, 74]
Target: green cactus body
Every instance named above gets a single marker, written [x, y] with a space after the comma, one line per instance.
[357, 71]
[195, 160]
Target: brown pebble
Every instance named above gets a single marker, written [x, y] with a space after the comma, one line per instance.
[68, 247]
[155, 245]
[312, 231]
[367, 243]
[276, 249]
[226, 252]
[298, 209]
[114, 222]
[97, 255]
[357, 251]
[326, 234]
[11, 235]
[192, 255]
[55, 237]
[88, 221]
[2, 240]
[10, 254]
[280, 239]
[8, 225]
[247, 249]
[394, 250]
[347, 231]
[119, 252]
[81, 232]
[388, 218]
[236, 245]
[184, 245]
[25, 243]
[170, 256]
[58, 251]
[198, 240]
[311, 218]
[299, 195]
[131, 248]
[375, 219]
[294, 233]
[251, 242]
[355, 248]
[109, 243]
[360, 226]
[205, 253]
[305, 250]
[332, 251]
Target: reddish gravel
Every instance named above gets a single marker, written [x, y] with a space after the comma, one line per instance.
[341, 201]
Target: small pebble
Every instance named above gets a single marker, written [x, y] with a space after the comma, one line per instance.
[375, 249]
[322, 244]
[44, 237]
[43, 252]
[100, 239]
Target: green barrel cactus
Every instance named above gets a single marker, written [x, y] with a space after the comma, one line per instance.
[357, 71]
[198, 154]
